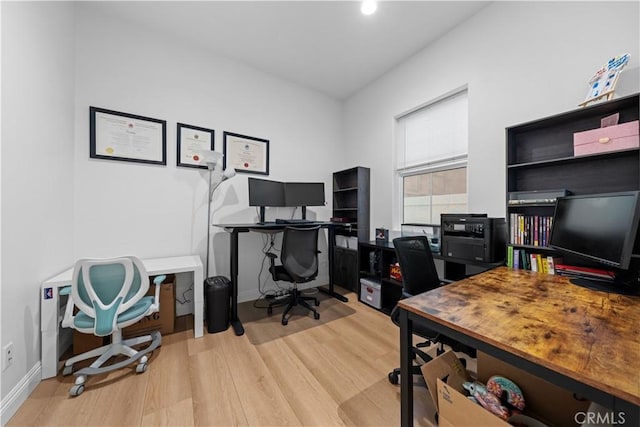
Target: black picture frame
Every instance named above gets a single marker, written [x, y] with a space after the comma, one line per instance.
[187, 152]
[246, 154]
[114, 135]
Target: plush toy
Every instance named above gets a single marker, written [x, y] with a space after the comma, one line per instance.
[500, 396]
[507, 390]
[489, 401]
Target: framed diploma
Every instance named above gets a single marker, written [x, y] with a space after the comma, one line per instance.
[127, 137]
[192, 142]
[245, 153]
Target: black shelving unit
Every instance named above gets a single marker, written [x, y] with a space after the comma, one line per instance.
[540, 159]
[375, 259]
[351, 201]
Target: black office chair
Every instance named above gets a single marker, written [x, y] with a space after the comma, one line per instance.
[299, 264]
[419, 275]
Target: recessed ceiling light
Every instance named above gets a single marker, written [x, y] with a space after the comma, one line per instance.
[368, 7]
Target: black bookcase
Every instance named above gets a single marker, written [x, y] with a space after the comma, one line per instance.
[540, 160]
[351, 193]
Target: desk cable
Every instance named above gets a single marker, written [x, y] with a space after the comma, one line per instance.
[268, 245]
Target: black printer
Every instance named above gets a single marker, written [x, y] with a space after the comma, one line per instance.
[473, 237]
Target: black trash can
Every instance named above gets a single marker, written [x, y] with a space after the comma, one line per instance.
[217, 300]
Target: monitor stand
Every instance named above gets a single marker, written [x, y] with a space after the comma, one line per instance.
[262, 215]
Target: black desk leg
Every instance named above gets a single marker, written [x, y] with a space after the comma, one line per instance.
[406, 378]
[236, 324]
[331, 244]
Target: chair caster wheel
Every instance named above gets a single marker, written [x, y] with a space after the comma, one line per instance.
[141, 367]
[316, 302]
[316, 316]
[284, 322]
[76, 390]
[68, 370]
[394, 378]
[269, 311]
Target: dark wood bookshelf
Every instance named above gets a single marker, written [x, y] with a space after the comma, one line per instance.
[540, 157]
[351, 195]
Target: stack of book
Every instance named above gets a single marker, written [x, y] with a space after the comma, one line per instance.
[521, 259]
[584, 272]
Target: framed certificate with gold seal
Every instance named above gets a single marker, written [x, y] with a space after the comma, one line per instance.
[127, 137]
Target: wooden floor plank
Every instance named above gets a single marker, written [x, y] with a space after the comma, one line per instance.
[215, 398]
[312, 404]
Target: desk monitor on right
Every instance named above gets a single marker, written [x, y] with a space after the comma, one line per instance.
[303, 194]
[600, 229]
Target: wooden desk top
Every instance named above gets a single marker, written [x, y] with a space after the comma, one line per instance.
[590, 336]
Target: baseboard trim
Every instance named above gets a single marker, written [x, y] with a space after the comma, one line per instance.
[19, 394]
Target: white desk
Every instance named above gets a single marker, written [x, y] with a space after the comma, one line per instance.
[51, 315]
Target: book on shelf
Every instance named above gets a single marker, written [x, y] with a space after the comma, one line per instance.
[521, 259]
[533, 230]
[551, 263]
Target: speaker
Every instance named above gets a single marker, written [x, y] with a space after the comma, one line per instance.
[217, 300]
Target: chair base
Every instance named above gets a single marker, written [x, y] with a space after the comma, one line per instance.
[294, 299]
[118, 348]
[394, 376]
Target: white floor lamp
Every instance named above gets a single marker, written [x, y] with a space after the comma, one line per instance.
[216, 177]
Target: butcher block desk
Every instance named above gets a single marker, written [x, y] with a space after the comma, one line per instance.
[583, 340]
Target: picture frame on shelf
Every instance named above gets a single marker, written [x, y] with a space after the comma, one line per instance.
[114, 135]
[246, 154]
[192, 142]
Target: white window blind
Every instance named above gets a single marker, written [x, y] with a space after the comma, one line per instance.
[434, 137]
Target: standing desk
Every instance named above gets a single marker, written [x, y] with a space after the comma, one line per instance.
[583, 340]
[235, 229]
[50, 310]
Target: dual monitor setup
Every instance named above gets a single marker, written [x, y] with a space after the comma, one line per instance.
[601, 228]
[264, 193]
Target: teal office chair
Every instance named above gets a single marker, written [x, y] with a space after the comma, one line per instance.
[110, 294]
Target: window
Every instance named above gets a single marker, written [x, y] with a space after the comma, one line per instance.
[431, 159]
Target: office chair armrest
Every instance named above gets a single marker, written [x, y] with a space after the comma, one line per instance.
[271, 255]
[67, 320]
[156, 299]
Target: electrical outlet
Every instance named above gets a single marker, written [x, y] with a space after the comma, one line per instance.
[7, 356]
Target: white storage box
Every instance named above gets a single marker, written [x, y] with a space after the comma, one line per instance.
[370, 292]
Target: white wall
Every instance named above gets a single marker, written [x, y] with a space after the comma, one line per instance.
[154, 211]
[37, 173]
[520, 60]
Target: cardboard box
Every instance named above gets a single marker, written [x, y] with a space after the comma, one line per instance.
[444, 376]
[164, 320]
[550, 403]
[84, 342]
[610, 138]
[546, 404]
[456, 410]
[446, 367]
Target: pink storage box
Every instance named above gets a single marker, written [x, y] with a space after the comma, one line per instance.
[610, 138]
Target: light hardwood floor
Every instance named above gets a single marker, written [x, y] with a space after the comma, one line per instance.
[327, 372]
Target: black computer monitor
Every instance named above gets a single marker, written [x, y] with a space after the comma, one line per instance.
[304, 194]
[600, 228]
[263, 192]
